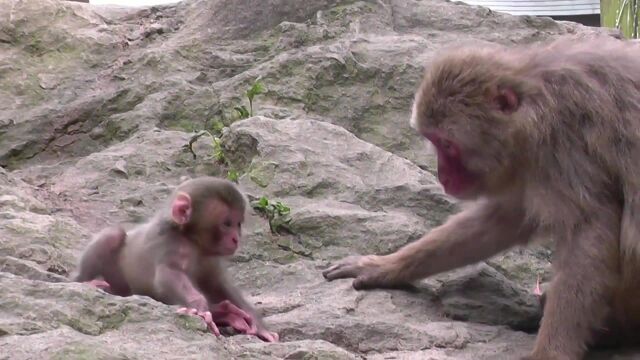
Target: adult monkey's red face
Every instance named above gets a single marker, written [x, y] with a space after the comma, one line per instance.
[471, 128]
[454, 176]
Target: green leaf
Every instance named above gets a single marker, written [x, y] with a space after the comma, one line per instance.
[282, 209]
[218, 152]
[217, 126]
[256, 89]
[233, 175]
[242, 111]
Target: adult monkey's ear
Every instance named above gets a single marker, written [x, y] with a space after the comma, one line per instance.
[506, 99]
[509, 93]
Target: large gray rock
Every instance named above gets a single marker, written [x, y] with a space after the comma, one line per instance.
[100, 103]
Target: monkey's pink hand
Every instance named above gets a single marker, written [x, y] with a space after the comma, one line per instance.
[227, 313]
[368, 272]
[267, 335]
[205, 315]
[100, 284]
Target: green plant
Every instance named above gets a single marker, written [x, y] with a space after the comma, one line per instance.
[242, 111]
[216, 144]
[278, 214]
[256, 89]
[233, 175]
[218, 151]
[217, 126]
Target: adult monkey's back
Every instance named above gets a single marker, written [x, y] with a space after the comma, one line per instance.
[543, 139]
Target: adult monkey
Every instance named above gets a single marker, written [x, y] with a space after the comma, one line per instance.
[542, 139]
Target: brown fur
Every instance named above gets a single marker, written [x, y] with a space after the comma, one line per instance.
[562, 160]
[176, 257]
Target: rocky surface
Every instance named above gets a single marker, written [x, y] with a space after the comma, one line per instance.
[100, 104]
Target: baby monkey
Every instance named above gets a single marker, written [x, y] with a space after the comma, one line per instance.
[176, 257]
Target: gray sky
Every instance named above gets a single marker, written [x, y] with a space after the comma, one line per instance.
[132, 2]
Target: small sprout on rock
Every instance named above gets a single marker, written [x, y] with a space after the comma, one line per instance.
[218, 152]
[217, 126]
[195, 138]
[242, 111]
[256, 89]
[278, 214]
[233, 175]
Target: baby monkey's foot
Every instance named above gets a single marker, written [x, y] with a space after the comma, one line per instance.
[226, 313]
[205, 315]
[229, 314]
